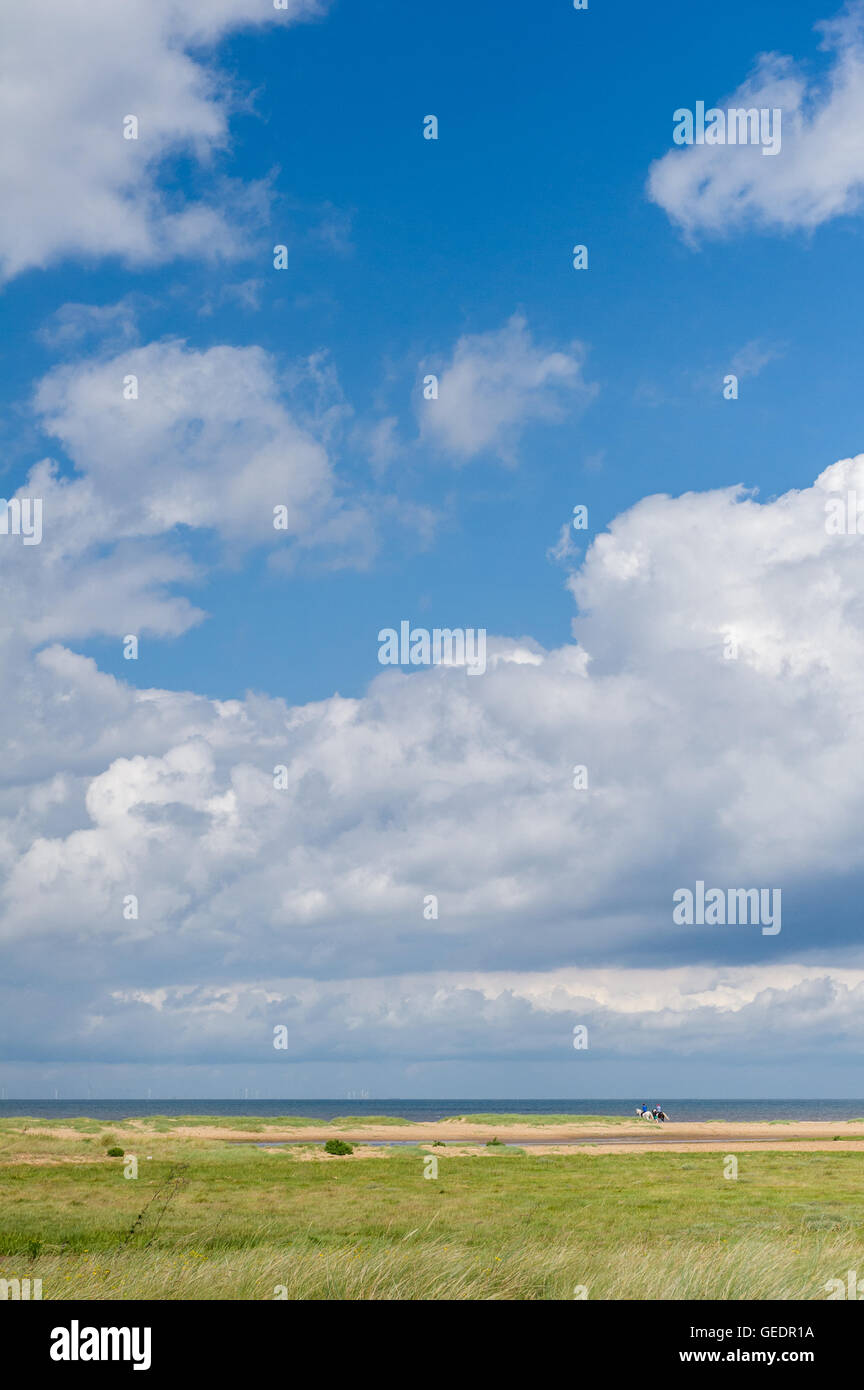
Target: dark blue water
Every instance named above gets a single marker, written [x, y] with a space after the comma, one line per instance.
[427, 1110]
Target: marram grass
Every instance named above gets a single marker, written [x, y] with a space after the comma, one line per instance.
[424, 1269]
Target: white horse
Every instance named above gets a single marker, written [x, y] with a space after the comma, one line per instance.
[646, 1115]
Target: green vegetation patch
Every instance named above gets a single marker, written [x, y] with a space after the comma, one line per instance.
[210, 1220]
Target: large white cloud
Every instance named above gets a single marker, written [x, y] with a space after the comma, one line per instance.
[740, 771]
[818, 173]
[72, 185]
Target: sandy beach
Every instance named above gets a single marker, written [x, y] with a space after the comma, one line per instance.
[693, 1136]
[464, 1136]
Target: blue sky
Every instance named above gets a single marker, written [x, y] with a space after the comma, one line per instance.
[400, 245]
[601, 387]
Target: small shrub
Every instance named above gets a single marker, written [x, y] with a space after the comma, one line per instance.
[438, 1144]
[495, 1144]
[114, 1152]
[337, 1146]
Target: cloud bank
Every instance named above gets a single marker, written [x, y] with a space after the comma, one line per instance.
[737, 771]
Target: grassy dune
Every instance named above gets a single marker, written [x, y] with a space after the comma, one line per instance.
[206, 1219]
[255, 1124]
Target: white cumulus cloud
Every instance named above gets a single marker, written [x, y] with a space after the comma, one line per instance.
[72, 185]
[494, 385]
[818, 173]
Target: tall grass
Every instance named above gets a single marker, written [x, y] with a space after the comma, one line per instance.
[752, 1268]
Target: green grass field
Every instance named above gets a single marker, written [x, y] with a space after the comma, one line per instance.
[206, 1219]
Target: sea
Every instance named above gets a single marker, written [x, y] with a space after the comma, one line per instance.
[429, 1110]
